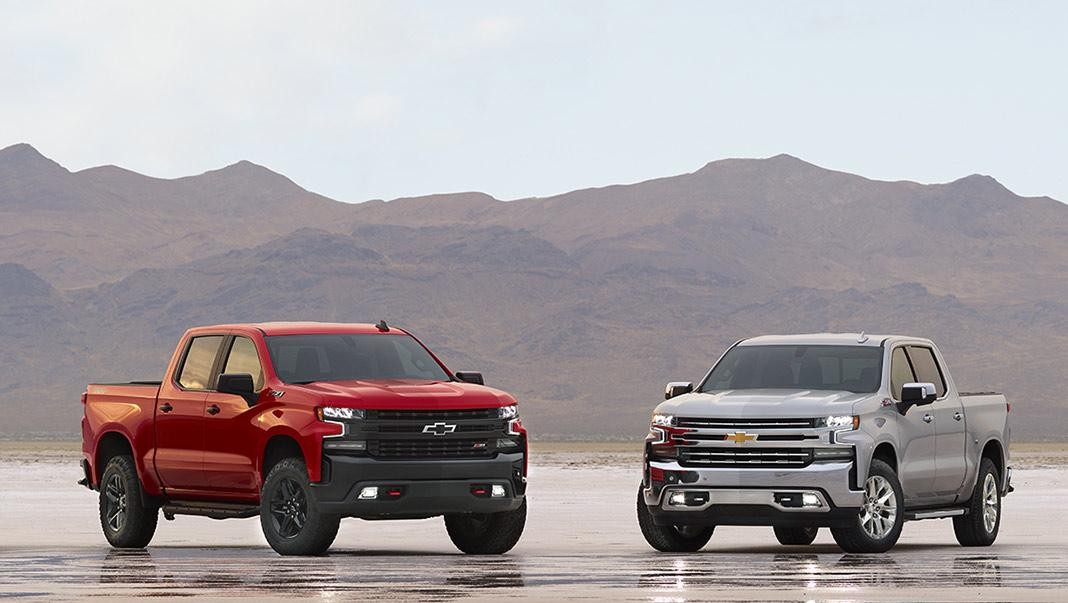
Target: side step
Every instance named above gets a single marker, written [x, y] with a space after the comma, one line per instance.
[213, 510]
[935, 513]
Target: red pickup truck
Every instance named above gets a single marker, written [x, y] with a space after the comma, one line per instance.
[304, 424]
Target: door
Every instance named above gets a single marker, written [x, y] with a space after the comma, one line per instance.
[230, 450]
[180, 416]
[917, 437]
[949, 421]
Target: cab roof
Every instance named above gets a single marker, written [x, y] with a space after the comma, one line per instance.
[306, 328]
[864, 339]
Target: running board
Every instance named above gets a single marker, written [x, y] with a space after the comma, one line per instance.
[935, 513]
[209, 509]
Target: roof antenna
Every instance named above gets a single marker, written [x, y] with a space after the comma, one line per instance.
[382, 326]
[862, 338]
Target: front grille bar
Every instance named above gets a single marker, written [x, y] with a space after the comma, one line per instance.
[746, 423]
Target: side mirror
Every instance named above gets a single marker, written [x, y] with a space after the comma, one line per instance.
[677, 388]
[470, 377]
[238, 384]
[917, 394]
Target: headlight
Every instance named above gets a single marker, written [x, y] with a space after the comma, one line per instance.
[508, 412]
[335, 413]
[663, 420]
[841, 422]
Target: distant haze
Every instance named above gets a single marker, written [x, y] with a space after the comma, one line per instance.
[582, 304]
[364, 100]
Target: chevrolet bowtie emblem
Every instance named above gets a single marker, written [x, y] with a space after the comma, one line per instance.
[439, 428]
[740, 437]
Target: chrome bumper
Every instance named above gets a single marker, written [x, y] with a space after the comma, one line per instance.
[781, 499]
[757, 486]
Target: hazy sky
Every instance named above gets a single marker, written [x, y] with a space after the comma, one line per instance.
[381, 100]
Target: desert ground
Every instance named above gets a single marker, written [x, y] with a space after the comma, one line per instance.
[581, 542]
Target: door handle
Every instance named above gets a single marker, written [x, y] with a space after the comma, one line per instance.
[927, 418]
[957, 416]
[213, 410]
[166, 407]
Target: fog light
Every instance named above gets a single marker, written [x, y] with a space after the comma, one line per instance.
[809, 499]
[677, 499]
[369, 493]
[344, 445]
[497, 491]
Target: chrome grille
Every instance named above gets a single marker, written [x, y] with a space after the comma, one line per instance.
[743, 457]
[744, 424]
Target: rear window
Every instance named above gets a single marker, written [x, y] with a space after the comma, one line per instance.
[346, 357]
[196, 368]
[814, 367]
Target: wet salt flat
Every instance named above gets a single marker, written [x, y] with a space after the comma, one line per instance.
[582, 542]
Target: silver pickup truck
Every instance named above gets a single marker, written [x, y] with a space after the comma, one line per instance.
[857, 433]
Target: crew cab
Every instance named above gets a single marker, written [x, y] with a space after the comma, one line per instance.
[853, 432]
[305, 424]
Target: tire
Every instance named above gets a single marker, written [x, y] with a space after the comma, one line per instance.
[980, 525]
[671, 539]
[796, 536]
[289, 512]
[486, 533]
[126, 516]
[878, 526]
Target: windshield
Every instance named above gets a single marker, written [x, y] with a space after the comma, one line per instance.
[855, 369]
[346, 357]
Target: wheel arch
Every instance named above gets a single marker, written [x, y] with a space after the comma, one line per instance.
[995, 451]
[885, 452]
[279, 445]
[110, 444]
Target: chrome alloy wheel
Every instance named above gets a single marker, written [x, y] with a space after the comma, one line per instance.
[115, 507]
[990, 503]
[879, 513]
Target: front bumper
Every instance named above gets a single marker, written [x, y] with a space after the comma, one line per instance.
[429, 487]
[731, 496]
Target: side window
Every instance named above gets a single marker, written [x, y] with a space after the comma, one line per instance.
[243, 359]
[900, 372]
[196, 368]
[927, 369]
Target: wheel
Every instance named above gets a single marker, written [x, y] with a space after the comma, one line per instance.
[486, 533]
[289, 513]
[800, 536]
[128, 522]
[979, 526]
[879, 522]
[671, 539]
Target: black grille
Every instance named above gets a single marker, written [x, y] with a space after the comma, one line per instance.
[429, 448]
[743, 424]
[417, 427]
[432, 415]
[745, 457]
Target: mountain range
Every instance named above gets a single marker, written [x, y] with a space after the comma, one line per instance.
[582, 304]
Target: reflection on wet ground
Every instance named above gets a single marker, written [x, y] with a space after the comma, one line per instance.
[580, 543]
[254, 572]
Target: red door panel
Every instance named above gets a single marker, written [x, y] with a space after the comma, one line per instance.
[180, 439]
[230, 446]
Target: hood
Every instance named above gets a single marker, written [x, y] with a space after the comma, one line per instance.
[754, 403]
[406, 394]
